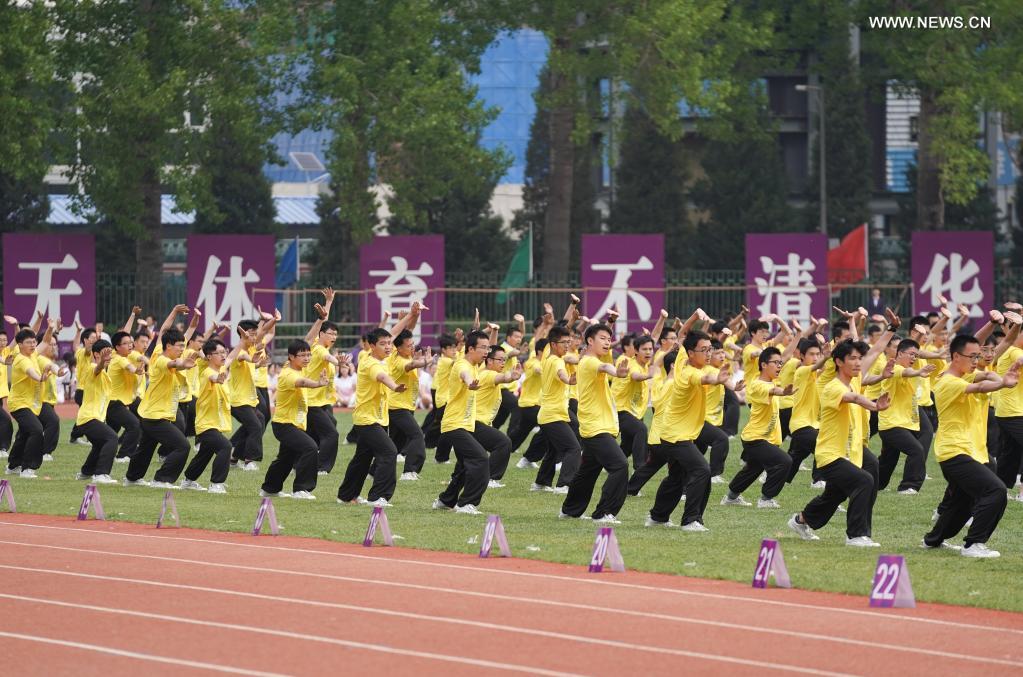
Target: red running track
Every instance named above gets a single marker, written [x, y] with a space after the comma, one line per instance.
[115, 598]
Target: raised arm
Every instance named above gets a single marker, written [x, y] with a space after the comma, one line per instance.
[659, 325]
[894, 322]
[130, 324]
[192, 325]
[404, 323]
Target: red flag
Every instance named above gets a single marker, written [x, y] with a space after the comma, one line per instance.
[847, 263]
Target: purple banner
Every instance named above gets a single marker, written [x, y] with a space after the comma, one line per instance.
[51, 274]
[787, 275]
[958, 265]
[397, 270]
[224, 271]
[627, 272]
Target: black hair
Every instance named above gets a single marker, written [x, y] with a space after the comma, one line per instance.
[992, 341]
[537, 322]
[119, 336]
[669, 359]
[715, 344]
[642, 341]
[718, 327]
[765, 356]
[540, 345]
[327, 325]
[594, 329]
[918, 319]
[373, 336]
[139, 333]
[473, 337]
[806, 344]
[557, 333]
[246, 325]
[511, 329]
[3, 331]
[211, 346]
[86, 333]
[932, 314]
[170, 337]
[299, 346]
[961, 341]
[757, 325]
[844, 350]
[24, 335]
[100, 344]
[626, 340]
[693, 338]
[907, 344]
[873, 329]
[446, 341]
[664, 333]
[400, 339]
[839, 327]
[494, 350]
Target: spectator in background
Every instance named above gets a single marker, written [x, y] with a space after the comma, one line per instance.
[102, 334]
[875, 306]
[272, 372]
[344, 386]
[425, 383]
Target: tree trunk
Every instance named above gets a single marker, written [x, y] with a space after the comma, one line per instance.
[149, 251]
[930, 201]
[556, 239]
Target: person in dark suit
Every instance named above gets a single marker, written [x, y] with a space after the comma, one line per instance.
[875, 306]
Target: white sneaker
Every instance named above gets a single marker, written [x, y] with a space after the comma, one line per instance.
[944, 545]
[763, 477]
[3, 453]
[279, 494]
[217, 488]
[321, 473]
[718, 479]
[862, 542]
[495, 484]
[28, 474]
[557, 467]
[694, 527]
[935, 515]
[122, 459]
[563, 516]
[539, 487]
[439, 505]
[738, 500]
[909, 492]
[979, 550]
[192, 485]
[163, 485]
[250, 466]
[969, 523]
[304, 495]
[409, 477]
[13, 471]
[804, 530]
[819, 484]
[103, 479]
[81, 441]
[47, 457]
[400, 458]
[80, 476]
[523, 463]
[381, 503]
[681, 500]
[560, 490]
[651, 522]
[134, 483]
[803, 468]
[607, 519]
[467, 509]
[841, 508]
[768, 503]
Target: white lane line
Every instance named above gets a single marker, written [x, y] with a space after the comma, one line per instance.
[496, 627]
[546, 602]
[294, 635]
[569, 579]
[213, 667]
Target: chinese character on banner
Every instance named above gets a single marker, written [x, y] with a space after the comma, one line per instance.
[223, 273]
[958, 265]
[50, 274]
[786, 275]
[624, 272]
[399, 270]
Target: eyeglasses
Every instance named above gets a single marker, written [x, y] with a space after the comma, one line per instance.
[776, 363]
[702, 350]
[498, 359]
[973, 358]
[563, 343]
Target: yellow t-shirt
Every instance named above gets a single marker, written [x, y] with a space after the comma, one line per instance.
[763, 421]
[509, 366]
[661, 396]
[460, 412]
[26, 393]
[1010, 400]
[83, 362]
[370, 394]
[243, 385]
[787, 377]
[291, 405]
[530, 394]
[827, 373]
[49, 394]
[660, 373]
[939, 367]
[597, 412]
[715, 397]
[959, 414]
[186, 391]
[96, 398]
[553, 392]
[135, 357]
[4, 390]
[632, 396]
[686, 409]
[159, 400]
[904, 411]
[980, 450]
[212, 405]
[321, 397]
[488, 397]
[874, 390]
[440, 380]
[841, 431]
[750, 361]
[806, 403]
[573, 390]
[396, 368]
[122, 379]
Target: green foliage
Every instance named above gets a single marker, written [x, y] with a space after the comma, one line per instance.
[23, 204]
[980, 213]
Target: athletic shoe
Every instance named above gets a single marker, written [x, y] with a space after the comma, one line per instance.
[969, 523]
[13, 471]
[122, 459]
[819, 484]
[768, 503]
[47, 457]
[400, 458]
[495, 484]
[935, 515]
[28, 474]
[439, 505]
[322, 472]
[763, 478]
[803, 468]
[381, 503]
[718, 479]
[944, 545]
[539, 487]
[564, 516]
[804, 530]
[163, 485]
[81, 441]
[557, 467]
[524, 463]
[279, 494]
[979, 550]
[103, 479]
[862, 542]
[304, 495]
[694, 527]
[651, 522]
[563, 490]
[1018, 497]
[607, 519]
[908, 492]
[192, 484]
[840, 508]
[3, 453]
[738, 500]
[467, 509]
[217, 488]
[250, 466]
[409, 477]
[681, 500]
[134, 483]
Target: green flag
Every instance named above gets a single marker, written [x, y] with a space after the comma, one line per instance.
[519, 271]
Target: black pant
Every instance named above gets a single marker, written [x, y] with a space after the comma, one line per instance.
[972, 490]
[443, 453]
[51, 427]
[212, 445]
[6, 427]
[27, 450]
[562, 447]
[761, 455]
[408, 438]
[119, 417]
[634, 435]
[599, 453]
[298, 452]
[519, 433]
[247, 441]
[688, 473]
[803, 444]
[188, 410]
[993, 440]
[845, 480]
[730, 422]
[431, 424]
[1010, 452]
[932, 415]
[373, 446]
[655, 460]
[173, 449]
[717, 439]
[497, 445]
[508, 411]
[263, 394]
[322, 427]
[104, 445]
[893, 441]
[784, 416]
[874, 420]
[79, 398]
[471, 473]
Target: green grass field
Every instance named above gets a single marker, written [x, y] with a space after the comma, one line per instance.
[728, 551]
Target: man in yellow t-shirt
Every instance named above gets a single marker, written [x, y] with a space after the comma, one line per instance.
[684, 417]
[448, 347]
[806, 409]
[158, 414]
[212, 419]
[403, 367]
[513, 350]
[46, 354]
[529, 407]
[297, 449]
[973, 489]
[655, 460]
[713, 435]
[81, 344]
[632, 397]
[124, 375]
[247, 441]
[761, 437]
[6, 424]
[92, 416]
[488, 403]
[560, 441]
[25, 402]
[901, 426]
[322, 425]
